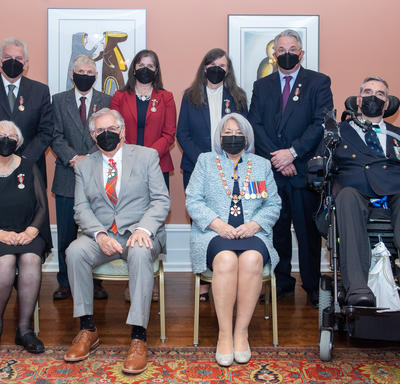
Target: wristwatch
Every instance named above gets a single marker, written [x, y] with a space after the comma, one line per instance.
[293, 152]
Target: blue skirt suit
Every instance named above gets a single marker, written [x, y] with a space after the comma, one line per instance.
[206, 199]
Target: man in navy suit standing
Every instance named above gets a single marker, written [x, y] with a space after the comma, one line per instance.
[286, 112]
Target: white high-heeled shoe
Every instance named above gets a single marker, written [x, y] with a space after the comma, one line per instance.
[242, 357]
[224, 359]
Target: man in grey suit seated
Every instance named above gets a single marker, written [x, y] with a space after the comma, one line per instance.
[72, 142]
[121, 203]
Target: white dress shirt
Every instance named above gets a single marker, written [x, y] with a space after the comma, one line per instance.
[292, 80]
[16, 89]
[88, 99]
[215, 107]
[381, 134]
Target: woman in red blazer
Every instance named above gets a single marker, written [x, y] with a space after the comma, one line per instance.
[148, 109]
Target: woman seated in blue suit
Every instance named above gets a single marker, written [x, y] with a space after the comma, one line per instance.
[233, 201]
[213, 94]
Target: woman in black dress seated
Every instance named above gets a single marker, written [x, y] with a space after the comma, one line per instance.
[24, 233]
[233, 201]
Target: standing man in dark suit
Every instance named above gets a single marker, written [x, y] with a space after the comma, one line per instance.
[25, 102]
[368, 166]
[72, 142]
[286, 113]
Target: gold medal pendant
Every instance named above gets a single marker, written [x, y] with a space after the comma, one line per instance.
[21, 106]
[153, 107]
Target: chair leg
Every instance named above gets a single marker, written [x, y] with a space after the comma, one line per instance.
[36, 319]
[162, 301]
[196, 310]
[274, 312]
[267, 294]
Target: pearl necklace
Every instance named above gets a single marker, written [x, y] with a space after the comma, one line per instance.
[145, 97]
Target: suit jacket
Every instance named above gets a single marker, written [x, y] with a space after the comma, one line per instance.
[299, 126]
[143, 199]
[160, 126]
[35, 121]
[70, 137]
[359, 167]
[206, 200]
[194, 128]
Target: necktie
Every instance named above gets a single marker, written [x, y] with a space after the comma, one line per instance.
[111, 184]
[82, 110]
[371, 138]
[11, 96]
[286, 92]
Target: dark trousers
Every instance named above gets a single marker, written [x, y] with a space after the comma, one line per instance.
[186, 178]
[166, 179]
[299, 205]
[66, 233]
[352, 210]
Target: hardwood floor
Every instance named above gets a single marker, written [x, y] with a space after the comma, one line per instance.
[297, 321]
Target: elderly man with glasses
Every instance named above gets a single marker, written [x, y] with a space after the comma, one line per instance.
[121, 203]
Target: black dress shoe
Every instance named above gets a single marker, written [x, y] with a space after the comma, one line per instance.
[30, 342]
[284, 292]
[362, 300]
[61, 293]
[99, 293]
[313, 298]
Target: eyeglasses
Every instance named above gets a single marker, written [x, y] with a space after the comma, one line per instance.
[112, 128]
[282, 51]
[10, 136]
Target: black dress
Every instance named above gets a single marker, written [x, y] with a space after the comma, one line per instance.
[23, 203]
[236, 218]
[141, 109]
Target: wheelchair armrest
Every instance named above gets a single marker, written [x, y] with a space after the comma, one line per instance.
[316, 173]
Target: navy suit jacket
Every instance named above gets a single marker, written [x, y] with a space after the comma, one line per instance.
[299, 126]
[194, 128]
[359, 167]
[35, 121]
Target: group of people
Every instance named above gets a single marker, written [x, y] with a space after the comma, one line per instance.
[244, 172]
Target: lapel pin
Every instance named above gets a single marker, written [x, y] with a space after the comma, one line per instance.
[21, 106]
[227, 103]
[296, 93]
[94, 108]
[153, 108]
[20, 179]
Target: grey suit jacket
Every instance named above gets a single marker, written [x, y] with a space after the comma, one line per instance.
[70, 137]
[143, 199]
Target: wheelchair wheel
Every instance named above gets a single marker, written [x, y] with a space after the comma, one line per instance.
[325, 345]
[324, 301]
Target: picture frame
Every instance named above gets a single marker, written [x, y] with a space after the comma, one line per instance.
[111, 37]
[250, 44]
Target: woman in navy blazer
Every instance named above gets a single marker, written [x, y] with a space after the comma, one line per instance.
[148, 110]
[199, 115]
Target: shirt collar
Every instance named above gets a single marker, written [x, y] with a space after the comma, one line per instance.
[117, 157]
[294, 74]
[88, 96]
[6, 83]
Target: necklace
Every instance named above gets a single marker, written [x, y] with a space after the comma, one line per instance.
[12, 168]
[235, 198]
[143, 97]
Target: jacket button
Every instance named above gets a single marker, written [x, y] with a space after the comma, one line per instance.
[345, 146]
[367, 166]
[384, 166]
[279, 135]
[353, 155]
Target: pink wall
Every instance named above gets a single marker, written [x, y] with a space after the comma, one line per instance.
[357, 38]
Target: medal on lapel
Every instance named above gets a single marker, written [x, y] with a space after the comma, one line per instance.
[396, 149]
[296, 93]
[94, 108]
[21, 106]
[227, 103]
[153, 108]
[20, 179]
[264, 193]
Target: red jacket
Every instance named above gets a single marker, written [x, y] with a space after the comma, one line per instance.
[160, 126]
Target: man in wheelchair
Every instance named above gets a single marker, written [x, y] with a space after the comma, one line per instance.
[366, 166]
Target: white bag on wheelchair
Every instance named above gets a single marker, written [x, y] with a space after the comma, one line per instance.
[381, 281]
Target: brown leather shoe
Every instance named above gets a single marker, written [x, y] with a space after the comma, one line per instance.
[84, 342]
[136, 361]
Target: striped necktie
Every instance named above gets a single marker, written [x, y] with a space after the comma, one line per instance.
[372, 141]
[112, 178]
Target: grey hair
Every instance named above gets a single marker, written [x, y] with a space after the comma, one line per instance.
[375, 78]
[244, 126]
[288, 33]
[83, 60]
[6, 125]
[106, 111]
[14, 41]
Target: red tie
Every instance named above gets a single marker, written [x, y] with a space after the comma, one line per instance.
[111, 184]
[82, 110]
[286, 92]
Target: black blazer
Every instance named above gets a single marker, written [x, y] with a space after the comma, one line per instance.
[359, 167]
[299, 126]
[194, 128]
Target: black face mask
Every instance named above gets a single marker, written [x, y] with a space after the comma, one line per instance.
[233, 144]
[372, 106]
[7, 146]
[145, 75]
[108, 141]
[83, 82]
[215, 74]
[288, 60]
[12, 68]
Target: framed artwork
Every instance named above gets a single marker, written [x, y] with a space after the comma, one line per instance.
[111, 37]
[251, 44]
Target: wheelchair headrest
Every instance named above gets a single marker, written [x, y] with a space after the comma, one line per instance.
[351, 104]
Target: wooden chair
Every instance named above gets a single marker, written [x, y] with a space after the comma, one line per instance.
[270, 291]
[118, 270]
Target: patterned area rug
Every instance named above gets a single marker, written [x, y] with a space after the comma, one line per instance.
[196, 365]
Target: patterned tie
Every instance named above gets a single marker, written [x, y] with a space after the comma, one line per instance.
[371, 138]
[111, 184]
[11, 96]
[286, 92]
[82, 110]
